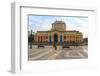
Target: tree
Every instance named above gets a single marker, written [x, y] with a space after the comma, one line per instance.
[30, 40]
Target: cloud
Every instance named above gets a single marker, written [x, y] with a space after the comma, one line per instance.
[80, 24]
[43, 23]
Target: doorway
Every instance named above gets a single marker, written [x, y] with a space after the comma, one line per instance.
[55, 38]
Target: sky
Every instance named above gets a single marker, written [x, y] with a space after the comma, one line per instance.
[43, 23]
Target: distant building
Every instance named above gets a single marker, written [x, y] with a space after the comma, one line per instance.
[58, 34]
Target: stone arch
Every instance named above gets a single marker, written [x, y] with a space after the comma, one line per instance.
[55, 38]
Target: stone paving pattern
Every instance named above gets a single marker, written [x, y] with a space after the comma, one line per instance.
[48, 53]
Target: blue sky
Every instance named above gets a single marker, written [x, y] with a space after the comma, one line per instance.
[43, 23]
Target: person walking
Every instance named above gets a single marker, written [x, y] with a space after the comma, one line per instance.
[55, 46]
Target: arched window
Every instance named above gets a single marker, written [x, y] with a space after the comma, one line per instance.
[61, 39]
[46, 37]
[41, 38]
[64, 37]
[50, 39]
[38, 38]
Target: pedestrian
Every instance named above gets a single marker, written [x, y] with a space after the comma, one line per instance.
[55, 46]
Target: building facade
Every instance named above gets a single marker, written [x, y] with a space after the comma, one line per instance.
[58, 34]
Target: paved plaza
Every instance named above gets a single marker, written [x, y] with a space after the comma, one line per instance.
[49, 53]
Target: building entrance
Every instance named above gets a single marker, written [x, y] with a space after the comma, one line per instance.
[55, 38]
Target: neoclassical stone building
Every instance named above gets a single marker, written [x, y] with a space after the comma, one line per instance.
[58, 34]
